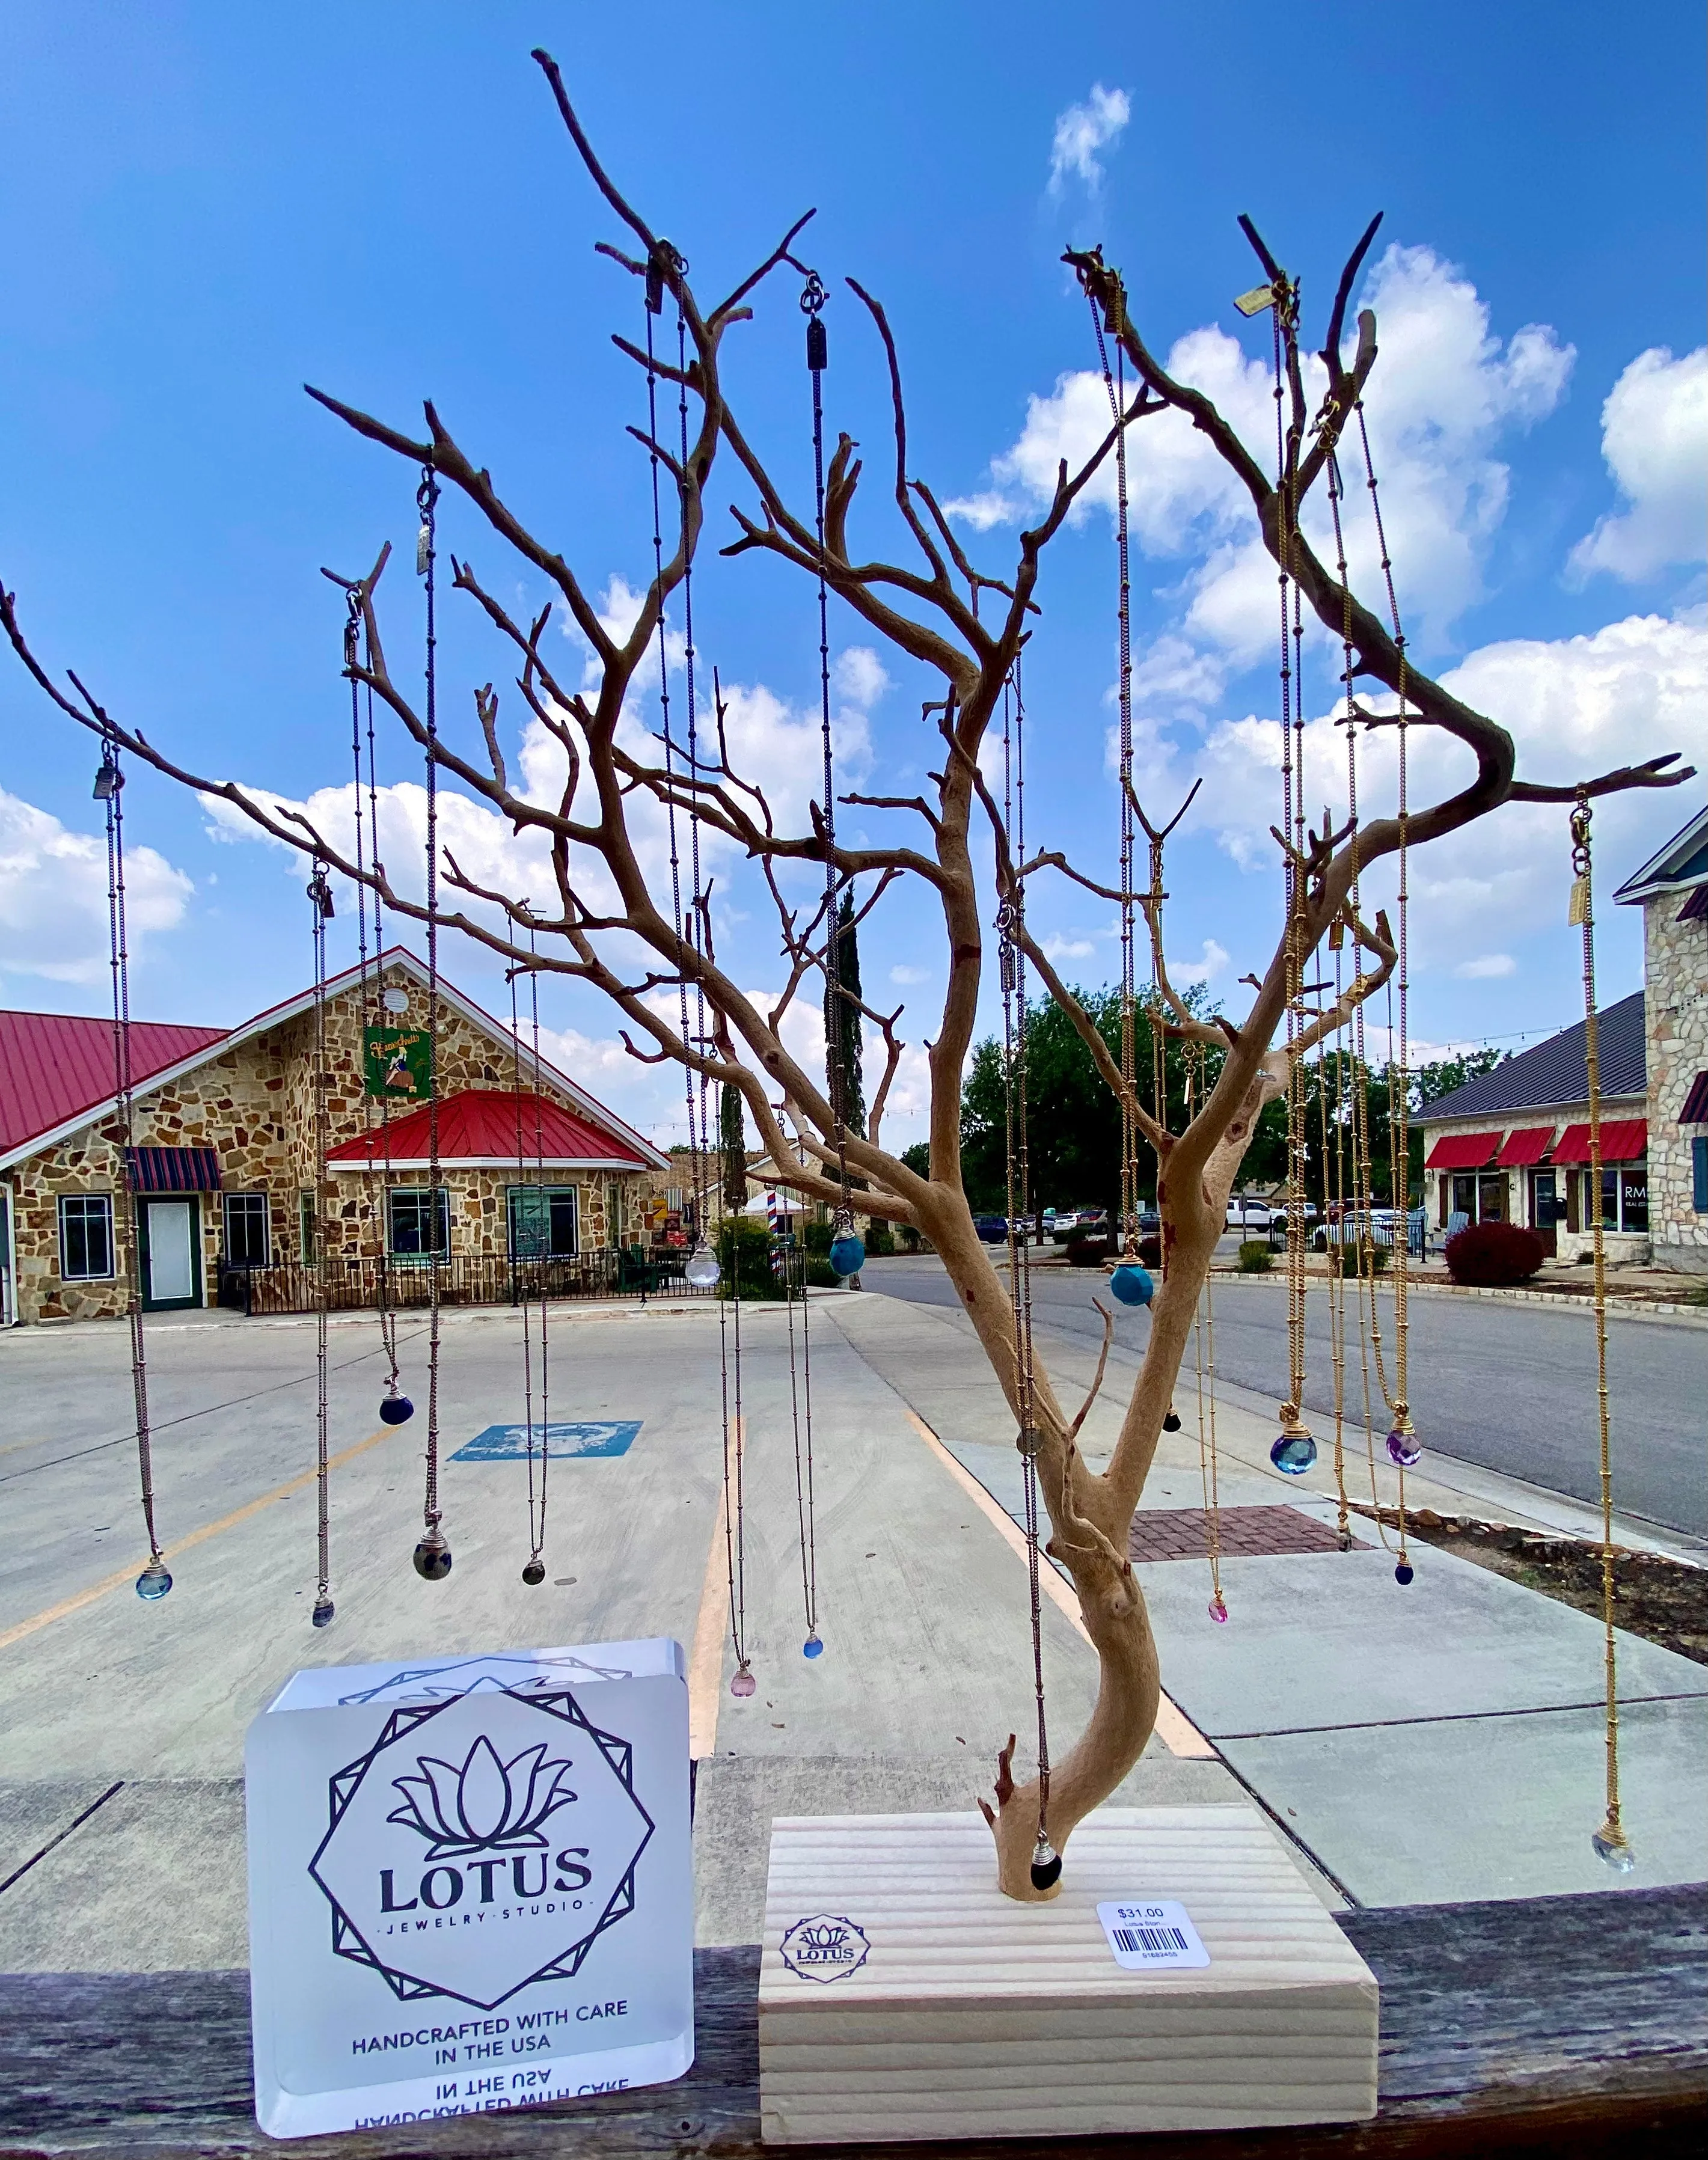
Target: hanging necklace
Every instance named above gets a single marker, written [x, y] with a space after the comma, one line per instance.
[320, 903]
[155, 1579]
[433, 1554]
[529, 1235]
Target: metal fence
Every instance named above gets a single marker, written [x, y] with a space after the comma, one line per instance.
[478, 1279]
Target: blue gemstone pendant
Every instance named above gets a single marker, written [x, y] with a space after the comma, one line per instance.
[323, 1612]
[432, 1558]
[1132, 1284]
[1294, 1453]
[1403, 1574]
[848, 1254]
[812, 1647]
[396, 1410]
[154, 1581]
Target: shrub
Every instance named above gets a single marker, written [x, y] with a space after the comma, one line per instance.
[1090, 1250]
[910, 1240]
[1343, 1259]
[1255, 1257]
[743, 1254]
[880, 1240]
[816, 1236]
[1150, 1252]
[1493, 1255]
[821, 1275]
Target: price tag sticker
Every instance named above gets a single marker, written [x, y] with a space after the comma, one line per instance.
[1152, 1934]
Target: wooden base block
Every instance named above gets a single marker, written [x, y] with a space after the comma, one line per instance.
[926, 2004]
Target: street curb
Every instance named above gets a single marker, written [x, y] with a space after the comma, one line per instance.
[1618, 1308]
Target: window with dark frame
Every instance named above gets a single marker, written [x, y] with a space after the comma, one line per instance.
[544, 1222]
[247, 1241]
[410, 1218]
[305, 1228]
[86, 1236]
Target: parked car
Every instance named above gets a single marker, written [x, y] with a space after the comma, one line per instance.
[1247, 1214]
[1149, 1223]
[993, 1229]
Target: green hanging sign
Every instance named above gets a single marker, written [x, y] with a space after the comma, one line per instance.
[397, 1063]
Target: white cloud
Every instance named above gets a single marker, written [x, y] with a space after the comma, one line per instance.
[1444, 394]
[1209, 964]
[858, 675]
[1081, 131]
[53, 896]
[906, 975]
[1654, 437]
[1574, 706]
[982, 511]
[1487, 967]
[1058, 947]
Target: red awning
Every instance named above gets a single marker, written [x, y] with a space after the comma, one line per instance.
[491, 1127]
[1462, 1150]
[1622, 1140]
[1528, 1145]
[173, 1169]
[1695, 1109]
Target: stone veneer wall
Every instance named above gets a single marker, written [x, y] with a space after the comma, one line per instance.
[255, 1105]
[1675, 974]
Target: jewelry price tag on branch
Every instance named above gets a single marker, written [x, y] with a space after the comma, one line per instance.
[1152, 1934]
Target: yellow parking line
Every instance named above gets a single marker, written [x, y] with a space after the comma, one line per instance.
[128, 1575]
[1174, 1728]
[705, 1669]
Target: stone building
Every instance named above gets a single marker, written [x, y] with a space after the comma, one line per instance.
[223, 1167]
[1514, 1142]
[1672, 891]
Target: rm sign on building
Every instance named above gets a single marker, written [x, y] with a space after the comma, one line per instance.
[470, 1887]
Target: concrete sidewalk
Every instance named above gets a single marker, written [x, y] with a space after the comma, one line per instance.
[1422, 1745]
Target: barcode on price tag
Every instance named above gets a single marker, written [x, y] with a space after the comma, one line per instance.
[1152, 1934]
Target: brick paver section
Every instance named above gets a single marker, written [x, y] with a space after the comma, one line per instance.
[1247, 1534]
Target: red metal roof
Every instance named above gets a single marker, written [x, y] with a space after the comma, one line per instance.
[480, 1126]
[1623, 1139]
[1462, 1150]
[1529, 1143]
[52, 1064]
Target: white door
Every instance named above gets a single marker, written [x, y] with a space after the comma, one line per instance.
[170, 1272]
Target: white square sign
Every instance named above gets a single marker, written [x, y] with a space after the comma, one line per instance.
[471, 1885]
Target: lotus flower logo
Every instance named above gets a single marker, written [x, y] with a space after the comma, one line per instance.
[486, 1806]
[825, 1946]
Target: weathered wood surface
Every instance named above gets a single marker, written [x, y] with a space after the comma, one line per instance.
[1568, 2025]
[969, 2016]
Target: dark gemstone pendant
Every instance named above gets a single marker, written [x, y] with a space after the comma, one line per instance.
[1046, 1864]
[534, 1574]
[323, 1612]
[396, 1410]
[154, 1581]
[432, 1558]
[1171, 1423]
[1403, 1573]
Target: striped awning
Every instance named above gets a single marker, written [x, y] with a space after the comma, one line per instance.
[1695, 1109]
[1462, 1150]
[1623, 1139]
[1528, 1145]
[173, 1169]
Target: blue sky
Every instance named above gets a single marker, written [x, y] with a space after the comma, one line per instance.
[207, 206]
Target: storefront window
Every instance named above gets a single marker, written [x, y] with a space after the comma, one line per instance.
[544, 1222]
[1624, 1196]
[410, 1215]
[86, 1236]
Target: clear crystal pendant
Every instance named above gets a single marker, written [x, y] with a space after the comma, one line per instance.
[432, 1558]
[1610, 1844]
[324, 1610]
[1046, 1863]
[154, 1580]
[702, 1270]
[534, 1574]
[743, 1683]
